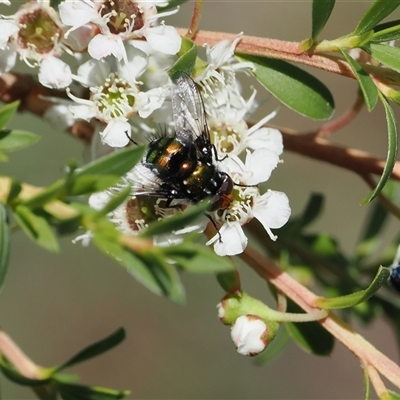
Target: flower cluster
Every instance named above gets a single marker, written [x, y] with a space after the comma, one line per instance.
[118, 82]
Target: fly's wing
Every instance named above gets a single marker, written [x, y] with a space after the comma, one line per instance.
[188, 110]
[146, 183]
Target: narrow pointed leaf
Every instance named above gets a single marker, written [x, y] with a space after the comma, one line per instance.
[5, 243]
[87, 184]
[187, 58]
[166, 274]
[321, 11]
[387, 55]
[294, 87]
[117, 163]
[392, 151]
[116, 200]
[15, 190]
[375, 14]
[392, 395]
[177, 221]
[11, 373]
[367, 86]
[11, 140]
[313, 209]
[7, 112]
[387, 31]
[95, 349]
[36, 228]
[197, 258]
[353, 299]
[134, 264]
[229, 281]
[81, 392]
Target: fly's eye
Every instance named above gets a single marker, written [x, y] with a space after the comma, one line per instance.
[223, 197]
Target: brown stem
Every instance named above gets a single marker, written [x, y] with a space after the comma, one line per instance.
[326, 129]
[292, 51]
[338, 328]
[194, 23]
[345, 157]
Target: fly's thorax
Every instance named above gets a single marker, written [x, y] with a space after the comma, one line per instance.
[170, 159]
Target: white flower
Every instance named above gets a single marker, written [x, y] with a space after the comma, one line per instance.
[115, 95]
[220, 60]
[7, 2]
[35, 33]
[250, 335]
[119, 22]
[271, 209]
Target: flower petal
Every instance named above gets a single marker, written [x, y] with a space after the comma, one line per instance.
[102, 46]
[272, 210]
[233, 240]
[268, 138]
[54, 73]
[116, 134]
[259, 165]
[163, 38]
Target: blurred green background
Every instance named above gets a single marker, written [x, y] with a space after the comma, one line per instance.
[53, 305]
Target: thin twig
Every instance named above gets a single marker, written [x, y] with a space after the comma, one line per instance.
[360, 347]
[332, 126]
[195, 21]
[24, 365]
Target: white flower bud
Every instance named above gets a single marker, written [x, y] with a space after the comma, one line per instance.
[250, 335]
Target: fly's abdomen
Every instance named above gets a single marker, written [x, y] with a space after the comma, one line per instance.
[202, 182]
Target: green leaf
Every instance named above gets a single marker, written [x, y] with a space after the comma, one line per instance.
[367, 386]
[387, 55]
[371, 237]
[229, 281]
[7, 112]
[197, 258]
[393, 395]
[15, 190]
[11, 373]
[367, 85]
[36, 228]
[294, 87]
[387, 31]
[171, 4]
[11, 140]
[116, 200]
[313, 209]
[321, 11]
[80, 392]
[275, 348]
[5, 244]
[376, 13]
[45, 196]
[187, 58]
[55, 4]
[87, 184]
[310, 336]
[117, 163]
[166, 274]
[94, 349]
[392, 151]
[177, 221]
[133, 263]
[358, 297]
